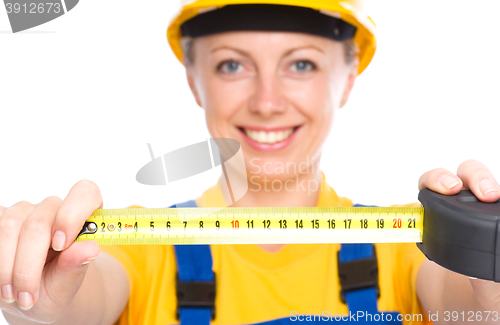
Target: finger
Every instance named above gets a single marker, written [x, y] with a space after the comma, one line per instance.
[480, 180]
[34, 242]
[11, 222]
[83, 199]
[441, 181]
[2, 209]
[484, 290]
[63, 276]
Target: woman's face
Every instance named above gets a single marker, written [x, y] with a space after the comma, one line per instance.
[274, 92]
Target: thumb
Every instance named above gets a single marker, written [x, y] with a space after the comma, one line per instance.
[65, 274]
[487, 293]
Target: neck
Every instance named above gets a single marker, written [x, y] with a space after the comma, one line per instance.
[302, 191]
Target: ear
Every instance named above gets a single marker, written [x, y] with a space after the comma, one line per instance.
[353, 73]
[190, 78]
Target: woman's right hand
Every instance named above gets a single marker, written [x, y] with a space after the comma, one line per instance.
[41, 268]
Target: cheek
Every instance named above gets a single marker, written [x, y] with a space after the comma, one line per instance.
[327, 98]
[221, 101]
[316, 101]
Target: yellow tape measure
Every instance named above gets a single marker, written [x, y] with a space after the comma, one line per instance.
[172, 226]
[459, 232]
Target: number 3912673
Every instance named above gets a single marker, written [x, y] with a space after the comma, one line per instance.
[33, 8]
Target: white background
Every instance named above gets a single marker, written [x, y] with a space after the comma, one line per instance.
[81, 96]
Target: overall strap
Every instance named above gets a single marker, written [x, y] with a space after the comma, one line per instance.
[195, 281]
[358, 273]
[358, 261]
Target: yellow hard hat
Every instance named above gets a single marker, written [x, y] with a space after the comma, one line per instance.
[346, 11]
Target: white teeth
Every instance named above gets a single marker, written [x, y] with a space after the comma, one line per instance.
[268, 137]
[272, 137]
[261, 137]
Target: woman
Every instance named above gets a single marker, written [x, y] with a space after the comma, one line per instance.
[270, 75]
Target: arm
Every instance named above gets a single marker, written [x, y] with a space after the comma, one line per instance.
[46, 277]
[443, 291]
[100, 300]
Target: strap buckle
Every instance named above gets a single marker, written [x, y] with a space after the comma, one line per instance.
[358, 274]
[195, 294]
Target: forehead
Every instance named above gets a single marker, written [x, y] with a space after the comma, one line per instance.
[263, 41]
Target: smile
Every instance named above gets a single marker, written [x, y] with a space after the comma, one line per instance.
[269, 139]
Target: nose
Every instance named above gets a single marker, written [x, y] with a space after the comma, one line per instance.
[267, 100]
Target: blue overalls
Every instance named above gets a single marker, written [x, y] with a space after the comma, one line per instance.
[194, 264]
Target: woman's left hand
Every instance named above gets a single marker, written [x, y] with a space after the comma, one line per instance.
[475, 176]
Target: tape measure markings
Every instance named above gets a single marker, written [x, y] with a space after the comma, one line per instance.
[255, 225]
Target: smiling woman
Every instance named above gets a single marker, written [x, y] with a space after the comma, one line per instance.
[278, 103]
[271, 75]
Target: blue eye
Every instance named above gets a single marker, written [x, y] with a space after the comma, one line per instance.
[229, 67]
[302, 66]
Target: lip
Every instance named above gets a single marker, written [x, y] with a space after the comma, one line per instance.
[267, 147]
[267, 129]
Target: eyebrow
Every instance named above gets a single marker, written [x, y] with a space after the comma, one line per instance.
[303, 48]
[230, 48]
[244, 53]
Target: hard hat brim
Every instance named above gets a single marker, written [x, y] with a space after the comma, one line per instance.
[268, 17]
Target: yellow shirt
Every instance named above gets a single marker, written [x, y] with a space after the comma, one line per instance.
[254, 285]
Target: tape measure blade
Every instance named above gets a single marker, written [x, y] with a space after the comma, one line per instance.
[187, 226]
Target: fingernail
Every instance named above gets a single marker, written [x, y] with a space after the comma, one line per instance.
[486, 186]
[59, 240]
[448, 182]
[8, 293]
[90, 259]
[24, 300]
